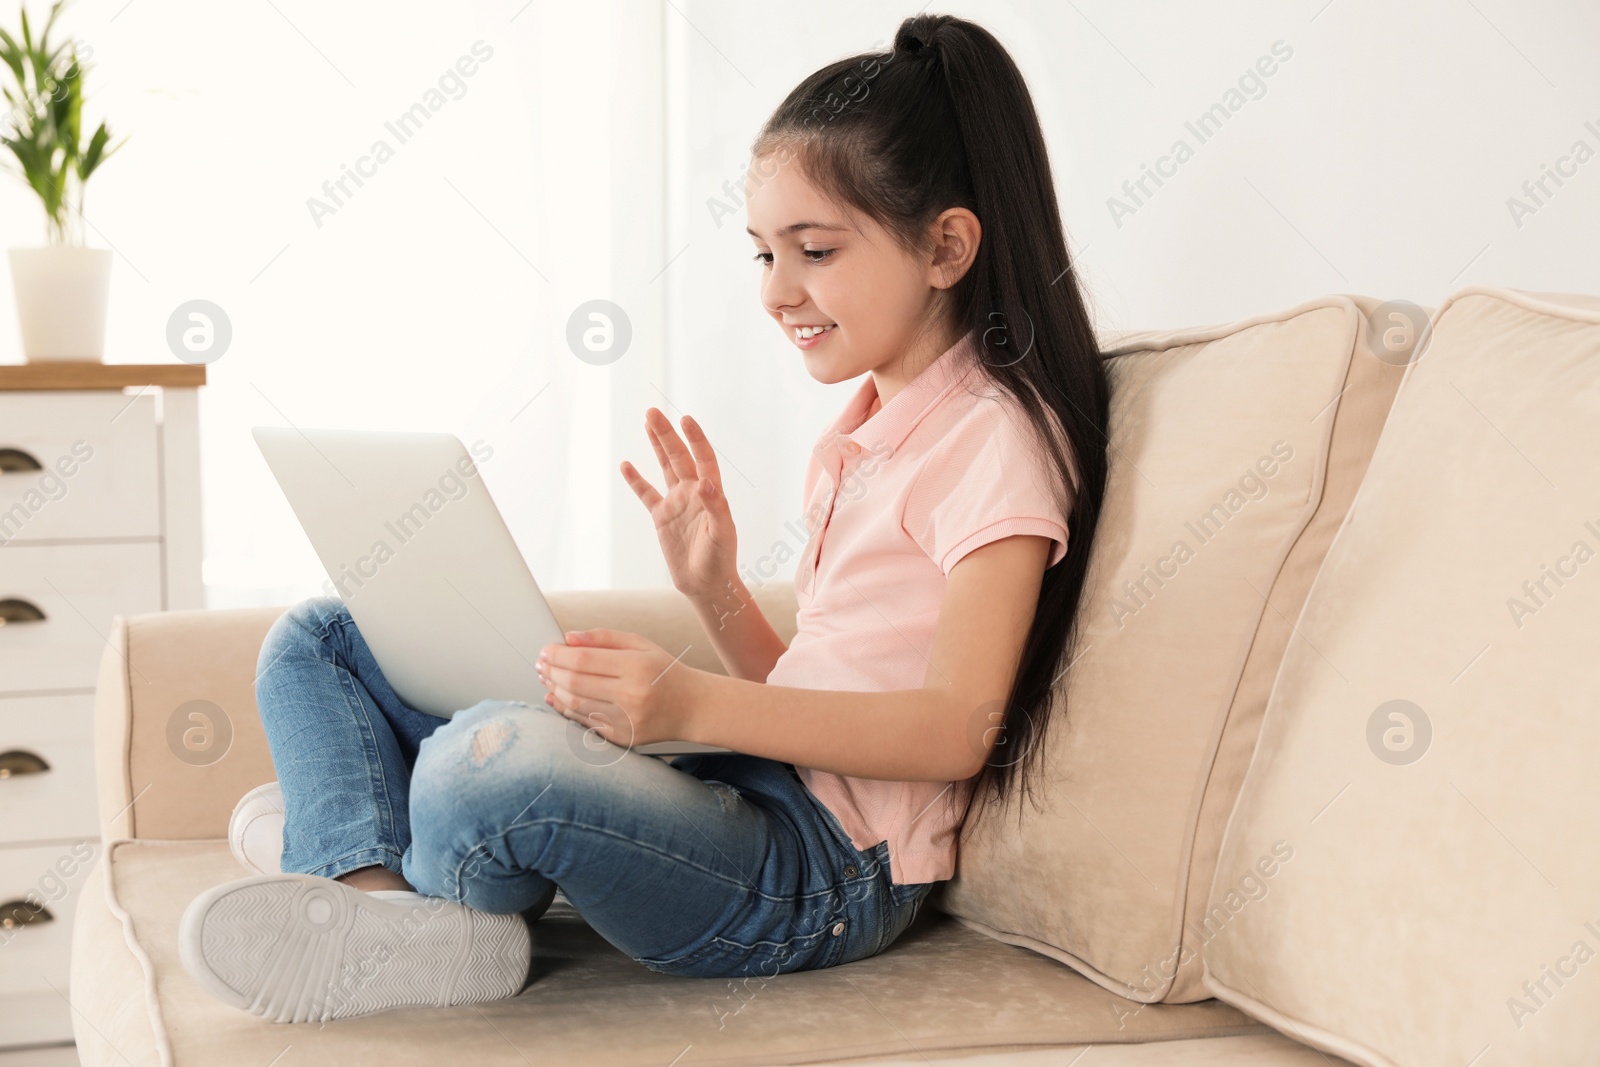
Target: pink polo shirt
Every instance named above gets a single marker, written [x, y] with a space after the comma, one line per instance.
[892, 503]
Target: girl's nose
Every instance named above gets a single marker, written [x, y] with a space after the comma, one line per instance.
[780, 289]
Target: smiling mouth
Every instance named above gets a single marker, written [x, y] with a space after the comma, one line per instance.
[805, 333]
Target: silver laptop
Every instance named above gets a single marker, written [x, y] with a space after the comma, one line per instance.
[415, 547]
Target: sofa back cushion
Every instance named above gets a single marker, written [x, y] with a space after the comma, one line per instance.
[1234, 453]
[1427, 761]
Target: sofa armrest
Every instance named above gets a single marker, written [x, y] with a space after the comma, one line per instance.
[178, 739]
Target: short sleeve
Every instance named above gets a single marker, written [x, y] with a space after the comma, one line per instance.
[984, 480]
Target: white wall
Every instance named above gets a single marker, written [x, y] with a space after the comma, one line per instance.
[579, 163]
[1378, 159]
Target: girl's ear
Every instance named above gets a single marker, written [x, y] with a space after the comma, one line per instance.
[956, 233]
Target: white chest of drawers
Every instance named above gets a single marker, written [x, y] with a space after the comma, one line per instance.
[99, 516]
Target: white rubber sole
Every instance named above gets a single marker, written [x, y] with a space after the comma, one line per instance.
[297, 948]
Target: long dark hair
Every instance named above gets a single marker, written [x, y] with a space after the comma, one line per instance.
[944, 120]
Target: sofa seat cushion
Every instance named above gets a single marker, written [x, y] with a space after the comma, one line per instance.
[941, 988]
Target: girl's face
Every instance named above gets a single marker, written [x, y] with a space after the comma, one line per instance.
[822, 268]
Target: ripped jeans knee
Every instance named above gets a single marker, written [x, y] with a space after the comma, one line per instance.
[466, 755]
[473, 737]
[727, 795]
[475, 779]
[491, 738]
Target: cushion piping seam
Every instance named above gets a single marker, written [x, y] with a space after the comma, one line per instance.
[158, 1027]
[1315, 1036]
[126, 677]
[1328, 444]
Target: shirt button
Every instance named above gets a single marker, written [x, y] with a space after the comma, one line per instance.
[850, 871]
[850, 447]
[838, 928]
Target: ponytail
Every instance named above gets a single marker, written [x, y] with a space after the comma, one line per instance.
[945, 120]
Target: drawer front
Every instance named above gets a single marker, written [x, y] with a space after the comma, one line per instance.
[34, 954]
[77, 588]
[36, 1019]
[97, 466]
[47, 787]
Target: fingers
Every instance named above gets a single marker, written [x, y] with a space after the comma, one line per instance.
[696, 463]
[704, 454]
[603, 717]
[575, 675]
[715, 502]
[588, 699]
[601, 640]
[597, 653]
[662, 456]
[666, 441]
[642, 489]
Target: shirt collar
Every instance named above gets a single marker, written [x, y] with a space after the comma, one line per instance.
[890, 424]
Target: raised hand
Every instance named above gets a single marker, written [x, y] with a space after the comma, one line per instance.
[693, 522]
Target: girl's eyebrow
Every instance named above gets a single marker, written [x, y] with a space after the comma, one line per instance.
[798, 226]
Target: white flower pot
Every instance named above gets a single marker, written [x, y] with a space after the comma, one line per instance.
[62, 292]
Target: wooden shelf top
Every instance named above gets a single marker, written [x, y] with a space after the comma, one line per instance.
[89, 375]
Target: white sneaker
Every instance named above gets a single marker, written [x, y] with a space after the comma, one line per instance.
[255, 832]
[297, 948]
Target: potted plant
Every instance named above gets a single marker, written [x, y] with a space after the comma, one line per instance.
[62, 288]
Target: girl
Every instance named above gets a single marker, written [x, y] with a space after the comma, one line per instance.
[906, 229]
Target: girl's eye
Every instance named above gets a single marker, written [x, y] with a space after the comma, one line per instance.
[816, 255]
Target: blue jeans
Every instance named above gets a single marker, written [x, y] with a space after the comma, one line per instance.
[710, 865]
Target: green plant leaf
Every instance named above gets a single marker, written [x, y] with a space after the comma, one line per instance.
[12, 55]
[92, 155]
[46, 103]
[108, 153]
[67, 113]
[55, 9]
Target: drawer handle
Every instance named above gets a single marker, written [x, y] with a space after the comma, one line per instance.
[13, 460]
[15, 610]
[18, 762]
[15, 913]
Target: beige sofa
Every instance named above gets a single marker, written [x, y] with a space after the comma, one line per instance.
[1323, 794]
